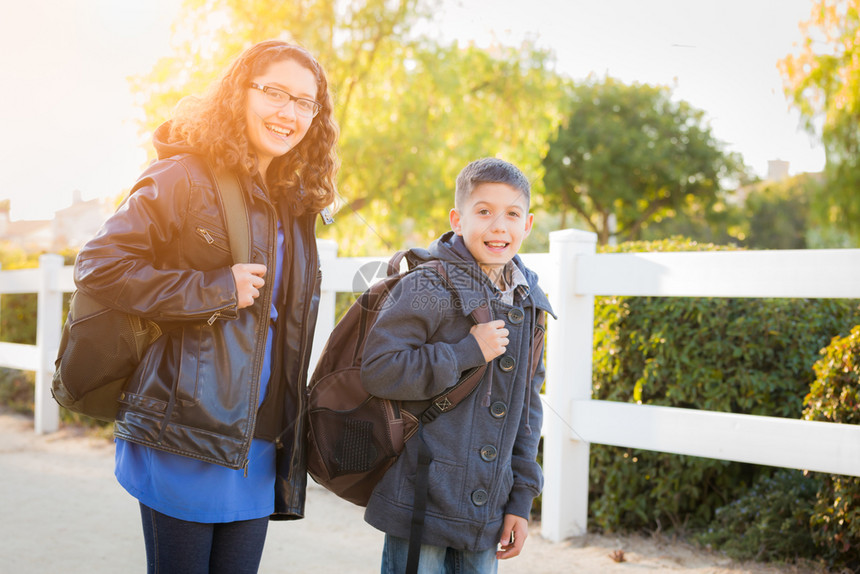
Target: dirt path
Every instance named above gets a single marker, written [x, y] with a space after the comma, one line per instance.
[62, 511]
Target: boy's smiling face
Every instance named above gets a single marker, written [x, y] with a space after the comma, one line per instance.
[493, 221]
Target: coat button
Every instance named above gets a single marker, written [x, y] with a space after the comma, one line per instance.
[498, 409]
[515, 316]
[480, 497]
[488, 453]
[507, 363]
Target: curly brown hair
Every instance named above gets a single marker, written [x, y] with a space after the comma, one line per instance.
[216, 126]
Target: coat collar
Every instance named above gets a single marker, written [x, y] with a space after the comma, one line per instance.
[472, 284]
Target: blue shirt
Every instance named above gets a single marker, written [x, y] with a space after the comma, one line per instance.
[198, 491]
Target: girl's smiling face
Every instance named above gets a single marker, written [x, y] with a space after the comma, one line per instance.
[273, 131]
[493, 221]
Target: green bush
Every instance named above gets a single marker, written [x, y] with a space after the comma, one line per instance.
[770, 522]
[740, 355]
[17, 390]
[18, 318]
[835, 397]
[18, 310]
[17, 325]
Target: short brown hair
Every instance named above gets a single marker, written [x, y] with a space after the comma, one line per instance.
[490, 170]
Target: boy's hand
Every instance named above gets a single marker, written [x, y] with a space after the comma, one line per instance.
[249, 281]
[514, 533]
[492, 338]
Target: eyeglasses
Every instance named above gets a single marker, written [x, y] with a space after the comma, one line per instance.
[279, 98]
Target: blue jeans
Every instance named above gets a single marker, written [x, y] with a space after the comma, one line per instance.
[437, 559]
[182, 547]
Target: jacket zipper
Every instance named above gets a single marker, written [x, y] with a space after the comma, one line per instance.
[310, 278]
[210, 240]
[255, 399]
[206, 235]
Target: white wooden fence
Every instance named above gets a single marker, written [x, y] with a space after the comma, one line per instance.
[573, 274]
[50, 280]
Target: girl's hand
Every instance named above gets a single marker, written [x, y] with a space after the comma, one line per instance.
[249, 281]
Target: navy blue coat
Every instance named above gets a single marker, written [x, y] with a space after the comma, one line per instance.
[484, 451]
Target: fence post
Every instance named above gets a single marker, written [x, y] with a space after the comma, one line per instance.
[564, 507]
[326, 318]
[49, 322]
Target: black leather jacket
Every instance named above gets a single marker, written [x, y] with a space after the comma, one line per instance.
[164, 256]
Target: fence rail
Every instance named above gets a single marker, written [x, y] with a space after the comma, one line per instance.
[573, 274]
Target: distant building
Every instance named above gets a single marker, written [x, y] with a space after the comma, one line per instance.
[31, 236]
[71, 227]
[75, 224]
[777, 170]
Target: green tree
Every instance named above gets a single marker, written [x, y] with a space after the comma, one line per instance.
[350, 40]
[412, 111]
[633, 153]
[434, 111]
[778, 213]
[822, 80]
[723, 223]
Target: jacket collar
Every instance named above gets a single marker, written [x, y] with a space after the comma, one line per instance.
[472, 284]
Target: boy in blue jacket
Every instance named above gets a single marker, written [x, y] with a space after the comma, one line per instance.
[484, 474]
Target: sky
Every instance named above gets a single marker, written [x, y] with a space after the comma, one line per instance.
[67, 116]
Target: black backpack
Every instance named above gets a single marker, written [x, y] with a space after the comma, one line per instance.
[100, 347]
[353, 436]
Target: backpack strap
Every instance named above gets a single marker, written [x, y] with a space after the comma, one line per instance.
[235, 214]
[470, 379]
[536, 351]
[394, 262]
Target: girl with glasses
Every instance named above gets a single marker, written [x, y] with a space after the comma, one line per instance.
[209, 435]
